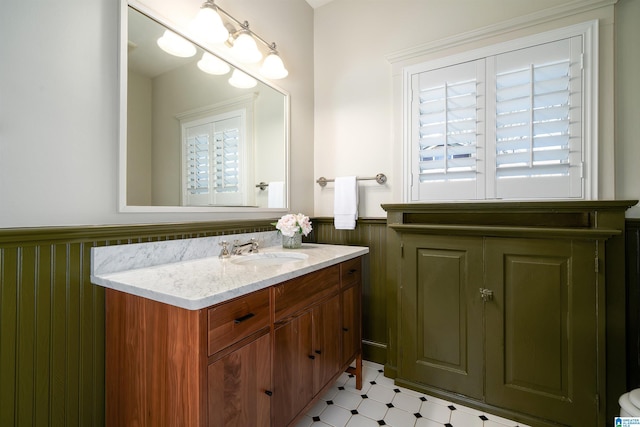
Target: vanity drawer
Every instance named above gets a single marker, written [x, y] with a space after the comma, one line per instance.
[299, 293]
[231, 321]
[351, 272]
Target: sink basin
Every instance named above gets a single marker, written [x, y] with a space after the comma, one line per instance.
[269, 258]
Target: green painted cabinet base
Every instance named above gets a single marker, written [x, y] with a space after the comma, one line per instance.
[502, 307]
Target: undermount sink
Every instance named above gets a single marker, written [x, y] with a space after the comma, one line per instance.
[269, 258]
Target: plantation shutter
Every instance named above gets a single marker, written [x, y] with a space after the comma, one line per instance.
[538, 113]
[447, 121]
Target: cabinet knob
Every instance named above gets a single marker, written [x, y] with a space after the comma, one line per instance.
[345, 329]
[486, 294]
[352, 271]
[312, 357]
[318, 352]
[268, 392]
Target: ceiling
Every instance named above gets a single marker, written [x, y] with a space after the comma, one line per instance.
[317, 3]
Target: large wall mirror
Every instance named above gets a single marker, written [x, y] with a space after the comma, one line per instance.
[190, 139]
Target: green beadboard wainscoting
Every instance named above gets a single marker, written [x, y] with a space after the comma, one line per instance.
[371, 233]
[52, 318]
[632, 230]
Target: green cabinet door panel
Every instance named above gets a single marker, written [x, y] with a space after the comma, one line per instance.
[541, 328]
[441, 321]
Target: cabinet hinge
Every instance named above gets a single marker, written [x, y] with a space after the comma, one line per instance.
[402, 249]
[597, 264]
[582, 61]
[597, 401]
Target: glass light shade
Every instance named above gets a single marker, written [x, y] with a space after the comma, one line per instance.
[245, 48]
[176, 45]
[241, 80]
[208, 25]
[273, 67]
[212, 65]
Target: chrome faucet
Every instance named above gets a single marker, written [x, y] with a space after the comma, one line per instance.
[238, 248]
[224, 252]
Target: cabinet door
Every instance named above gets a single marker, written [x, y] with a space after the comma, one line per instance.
[440, 331]
[350, 323]
[293, 368]
[541, 328]
[327, 354]
[239, 385]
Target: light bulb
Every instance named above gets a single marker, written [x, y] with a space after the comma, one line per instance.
[208, 25]
[213, 65]
[176, 45]
[245, 48]
[241, 80]
[273, 67]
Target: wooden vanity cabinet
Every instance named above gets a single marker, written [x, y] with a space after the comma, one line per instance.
[314, 341]
[258, 360]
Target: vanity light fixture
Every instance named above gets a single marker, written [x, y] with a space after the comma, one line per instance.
[213, 65]
[243, 42]
[241, 80]
[176, 45]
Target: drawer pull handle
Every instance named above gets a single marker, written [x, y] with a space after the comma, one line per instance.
[312, 357]
[268, 392]
[243, 318]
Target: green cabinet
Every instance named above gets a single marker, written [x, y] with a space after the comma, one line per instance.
[505, 313]
[510, 322]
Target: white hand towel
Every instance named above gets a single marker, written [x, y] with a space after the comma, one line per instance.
[345, 206]
[275, 198]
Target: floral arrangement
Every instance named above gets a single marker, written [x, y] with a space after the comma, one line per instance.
[294, 223]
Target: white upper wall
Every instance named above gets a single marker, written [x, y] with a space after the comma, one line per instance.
[627, 105]
[59, 106]
[59, 98]
[357, 110]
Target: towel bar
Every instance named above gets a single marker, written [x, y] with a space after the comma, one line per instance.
[380, 179]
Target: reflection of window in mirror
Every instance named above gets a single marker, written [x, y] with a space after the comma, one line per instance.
[217, 149]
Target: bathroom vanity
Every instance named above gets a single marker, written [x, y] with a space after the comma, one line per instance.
[251, 340]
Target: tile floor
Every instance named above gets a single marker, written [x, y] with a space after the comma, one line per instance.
[381, 403]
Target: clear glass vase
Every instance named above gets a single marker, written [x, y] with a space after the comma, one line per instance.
[293, 242]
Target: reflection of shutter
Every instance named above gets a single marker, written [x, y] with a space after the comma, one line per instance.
[215, 159]
[537, 123]
[227, 161]
[198, 164]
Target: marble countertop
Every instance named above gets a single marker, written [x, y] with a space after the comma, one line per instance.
[198, 283]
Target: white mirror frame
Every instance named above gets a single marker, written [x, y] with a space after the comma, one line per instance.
[122, 146]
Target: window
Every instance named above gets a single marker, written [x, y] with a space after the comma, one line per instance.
[505, 122]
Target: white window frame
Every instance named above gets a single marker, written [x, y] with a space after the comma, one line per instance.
[588, 31]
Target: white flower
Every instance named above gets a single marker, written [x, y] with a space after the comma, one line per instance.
[294, 223]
